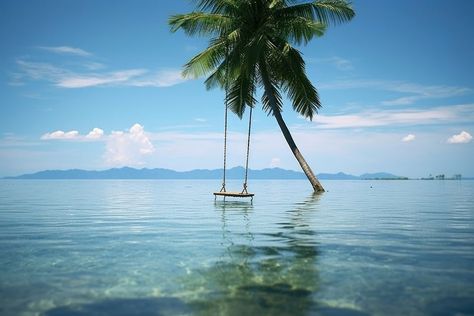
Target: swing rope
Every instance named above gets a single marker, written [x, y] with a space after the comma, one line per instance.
[226, 103]
[244, 190]
[225, 142]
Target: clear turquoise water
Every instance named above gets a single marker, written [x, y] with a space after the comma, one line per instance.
[166, 248]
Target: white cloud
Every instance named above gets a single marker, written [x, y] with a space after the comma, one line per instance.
[376, 118]
[122, 147]
[415, 92]
[61, 135]
[461, 138]
[275, 162]
[200, 120]
[336, 61]
[128, 148]
[421, 92]
[163, 78]
[96, 133]
[113, 78]
[94, 66]
[66, 78]
[66, 50]
[409, 138]
[41, 71]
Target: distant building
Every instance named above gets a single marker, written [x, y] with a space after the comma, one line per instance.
[443, 177]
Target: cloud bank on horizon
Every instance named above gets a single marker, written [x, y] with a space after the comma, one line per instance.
[136, 147]
[122, 148]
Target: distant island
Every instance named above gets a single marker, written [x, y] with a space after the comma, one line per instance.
[160, 173]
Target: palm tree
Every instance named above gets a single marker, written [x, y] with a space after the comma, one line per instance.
[251, 47]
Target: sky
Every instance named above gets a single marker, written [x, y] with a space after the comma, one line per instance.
[97, 84]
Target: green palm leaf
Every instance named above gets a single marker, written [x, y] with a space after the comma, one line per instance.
[199, 23]
[333, 11]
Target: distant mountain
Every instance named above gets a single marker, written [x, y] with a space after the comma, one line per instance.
[337, 176]
[159, 173]
[379, 175]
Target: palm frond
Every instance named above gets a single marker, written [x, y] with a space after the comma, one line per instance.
[206, 61]
[333, 11]
[230, 65]
[217, 6]
[299, 88]
[305, 10]
[300, 30]
[271, 97]
[199, 23]
[241, 93]
[218, 78]
[324, 11]
[288, 65]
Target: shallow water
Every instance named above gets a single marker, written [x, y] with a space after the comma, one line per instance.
[166, 248]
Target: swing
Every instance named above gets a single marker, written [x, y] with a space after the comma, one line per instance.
[244, 193]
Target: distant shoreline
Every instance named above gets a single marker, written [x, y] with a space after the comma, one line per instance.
[203, 174]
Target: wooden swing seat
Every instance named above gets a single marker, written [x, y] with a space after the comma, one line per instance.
[234, 194]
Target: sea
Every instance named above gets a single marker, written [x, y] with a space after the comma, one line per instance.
[167, 247]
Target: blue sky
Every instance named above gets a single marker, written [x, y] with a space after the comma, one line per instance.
[96, 84]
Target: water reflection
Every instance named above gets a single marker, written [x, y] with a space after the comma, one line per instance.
[261, 269]
[139, 247]
[241, 209]
[271, 270]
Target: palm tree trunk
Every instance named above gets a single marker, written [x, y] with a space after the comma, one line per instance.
[294, 149]
[286, 133]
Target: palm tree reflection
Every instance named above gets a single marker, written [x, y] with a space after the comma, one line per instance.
[269, 272]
